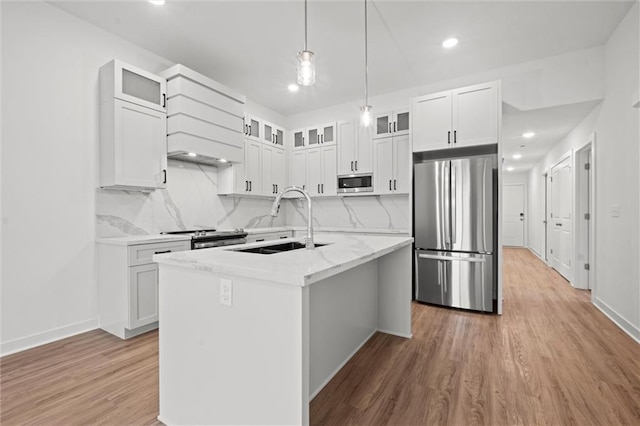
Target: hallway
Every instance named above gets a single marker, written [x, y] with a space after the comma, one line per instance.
[552, 358]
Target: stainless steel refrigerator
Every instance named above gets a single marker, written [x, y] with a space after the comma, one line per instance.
[454, 208]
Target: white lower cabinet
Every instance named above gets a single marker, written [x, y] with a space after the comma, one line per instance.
[128, 286]
[392, 165]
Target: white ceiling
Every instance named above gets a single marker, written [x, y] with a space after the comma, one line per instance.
[251, 46]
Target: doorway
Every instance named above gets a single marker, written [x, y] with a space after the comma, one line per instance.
[561, 226]
[584, 217]
[513, 218]
[545, 215]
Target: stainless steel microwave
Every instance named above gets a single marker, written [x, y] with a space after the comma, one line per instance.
[355, 183]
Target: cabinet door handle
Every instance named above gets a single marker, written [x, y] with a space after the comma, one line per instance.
[395, 185]
[259, 240]
[164, 100]
[250, 186]
[163, 251]
[356, 165]
[276, 188]
[322, 137]
[394, 127]
[389, 127]
[352, 166]
[246, 185]
[454, 136]
[164, 175]
[304, 187]
[449, 137]
[322, 186]
[246, 129]
[389, 184]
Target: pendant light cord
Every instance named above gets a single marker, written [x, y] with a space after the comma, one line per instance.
[366, 58]
[305, 25]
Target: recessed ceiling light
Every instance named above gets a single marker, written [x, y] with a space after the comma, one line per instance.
[528, 135]
[450, 42]
[293, 87]
[223, 160]
[509, 169]
[192, 154]
[157, 2]
[516, 156]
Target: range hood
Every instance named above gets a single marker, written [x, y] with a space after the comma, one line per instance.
[204, 119]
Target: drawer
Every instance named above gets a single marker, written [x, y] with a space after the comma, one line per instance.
[268, 236]
[141, 254]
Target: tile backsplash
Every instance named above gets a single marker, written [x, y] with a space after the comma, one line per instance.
[190, 201]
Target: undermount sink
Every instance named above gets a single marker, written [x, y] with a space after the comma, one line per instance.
[276, 248]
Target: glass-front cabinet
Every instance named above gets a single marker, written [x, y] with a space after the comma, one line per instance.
[324, 134]
[391, 123]
[131, 84]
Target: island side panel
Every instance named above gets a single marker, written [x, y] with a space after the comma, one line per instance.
[342, 317]
[244, 364]
[394, 292]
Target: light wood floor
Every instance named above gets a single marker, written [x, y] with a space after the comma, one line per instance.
[552, 358]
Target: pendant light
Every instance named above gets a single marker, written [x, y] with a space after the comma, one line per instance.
[366, 109]
[306, 59]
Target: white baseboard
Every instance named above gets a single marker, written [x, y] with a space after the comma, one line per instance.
[393, 333]
[537, 254]
[618, 320]
[38, 339]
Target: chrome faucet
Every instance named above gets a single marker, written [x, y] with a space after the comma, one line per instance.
[276, 207]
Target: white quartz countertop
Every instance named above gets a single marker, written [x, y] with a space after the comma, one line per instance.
[328, 229]
[131, 240]
[296, 267]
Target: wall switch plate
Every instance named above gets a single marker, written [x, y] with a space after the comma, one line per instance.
[226, 292]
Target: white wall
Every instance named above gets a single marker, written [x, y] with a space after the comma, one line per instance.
[49, 175]
[617, 290]
[557, 80]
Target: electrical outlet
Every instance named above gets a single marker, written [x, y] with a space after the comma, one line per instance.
[226, 292]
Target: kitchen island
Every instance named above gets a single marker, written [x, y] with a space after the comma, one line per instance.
[257, 354]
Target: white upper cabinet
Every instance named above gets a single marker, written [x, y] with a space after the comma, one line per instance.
[391, 123]
[252, 128]
[134, 85]
[321, 171]
[298, 137]
[272, 134]
[133, 135]
[243, 178]
[323, 134]
[355, 154]
[297, 171]
[462, 117]
[273, 170]
[392, 165]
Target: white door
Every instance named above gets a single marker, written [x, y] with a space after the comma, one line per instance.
[329, 184]
[298, 169]
[279, 169]
[475, 115]
[561, 218]
[432, 122]
[140, 145]
[267, 179]
[383, 165]
[364, 157]
[252, 166]
[513, 215]
[314, 171]
[401, 164]
[346, 148]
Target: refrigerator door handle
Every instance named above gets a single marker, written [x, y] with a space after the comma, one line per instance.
[452, 258]
[417, 282]
[446, 196]
[454, 218]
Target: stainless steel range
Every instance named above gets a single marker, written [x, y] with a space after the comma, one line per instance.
[206, 238]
